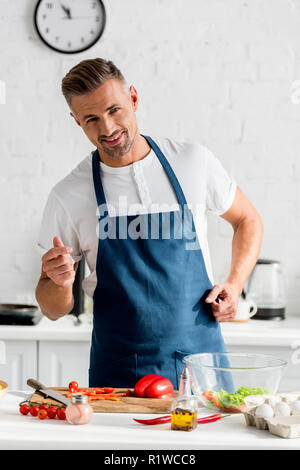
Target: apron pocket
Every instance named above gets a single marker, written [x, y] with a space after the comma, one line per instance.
[179, 365]
[119, 373]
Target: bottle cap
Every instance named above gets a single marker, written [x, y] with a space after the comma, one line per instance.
[185, 374]
[79, 399]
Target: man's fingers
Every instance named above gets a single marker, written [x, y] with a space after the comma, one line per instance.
[223, 307]
[59, 261]
[227, 317]
[64, 279]
[228, 314]
[54, 252]
[213, 294]
[57, 242]
[64, 268]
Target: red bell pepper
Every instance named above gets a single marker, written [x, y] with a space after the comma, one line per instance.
[143, 383]
[159, 388]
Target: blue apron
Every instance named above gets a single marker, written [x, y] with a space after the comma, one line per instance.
[149, 309]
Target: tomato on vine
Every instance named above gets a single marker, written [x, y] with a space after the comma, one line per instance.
[34, 410]
[44, 407]
[24, 409]
[42, 414]
[61, 413]
[51, 412]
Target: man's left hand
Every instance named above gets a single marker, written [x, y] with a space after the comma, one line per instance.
[225, 310]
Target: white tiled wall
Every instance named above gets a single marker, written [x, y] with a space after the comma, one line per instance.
[217, 71]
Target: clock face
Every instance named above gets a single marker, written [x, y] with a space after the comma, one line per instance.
[70, 26]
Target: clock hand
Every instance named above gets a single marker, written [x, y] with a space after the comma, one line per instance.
[67, 11]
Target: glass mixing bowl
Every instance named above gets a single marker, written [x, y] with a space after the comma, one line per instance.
[223, 380]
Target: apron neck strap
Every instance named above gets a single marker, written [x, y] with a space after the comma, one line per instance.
[100, 196]
[168, 169]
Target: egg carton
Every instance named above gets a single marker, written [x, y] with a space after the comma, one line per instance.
[283, 426]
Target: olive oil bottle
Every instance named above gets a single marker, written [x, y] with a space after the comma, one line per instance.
[185, 406]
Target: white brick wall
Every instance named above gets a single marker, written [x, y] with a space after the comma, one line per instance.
[217, 71]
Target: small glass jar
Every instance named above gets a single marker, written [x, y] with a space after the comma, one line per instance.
[184, 413]
[184, 409]
[79, 410]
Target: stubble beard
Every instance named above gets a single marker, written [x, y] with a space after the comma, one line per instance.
[121, 149]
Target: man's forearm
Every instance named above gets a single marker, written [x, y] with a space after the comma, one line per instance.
[246, 245]
[55, 301]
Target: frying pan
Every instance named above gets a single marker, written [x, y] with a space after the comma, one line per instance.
[19, 314]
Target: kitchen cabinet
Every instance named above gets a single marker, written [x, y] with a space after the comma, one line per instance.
[20, 363]
[62, 361]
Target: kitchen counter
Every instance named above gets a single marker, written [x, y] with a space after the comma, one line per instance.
[113, 431]
[64, 329]
[254, 332]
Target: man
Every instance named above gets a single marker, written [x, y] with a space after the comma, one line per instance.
[136, 209]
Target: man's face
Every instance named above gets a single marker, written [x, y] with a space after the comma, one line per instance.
[108, 113]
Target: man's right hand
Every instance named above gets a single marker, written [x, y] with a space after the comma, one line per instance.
[58, 264]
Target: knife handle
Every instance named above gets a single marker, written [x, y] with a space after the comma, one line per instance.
[35, 384]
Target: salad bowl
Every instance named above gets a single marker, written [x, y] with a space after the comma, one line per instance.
[222, 381]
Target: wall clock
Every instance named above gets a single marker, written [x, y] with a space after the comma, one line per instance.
[70, 26]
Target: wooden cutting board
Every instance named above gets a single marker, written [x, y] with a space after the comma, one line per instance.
[125, 405]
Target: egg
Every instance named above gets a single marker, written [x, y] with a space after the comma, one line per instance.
[264, 411]
[282, 409]
[272, 400]
[295, 407]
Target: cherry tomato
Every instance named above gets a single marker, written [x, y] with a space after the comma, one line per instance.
[61, 413]
[43, 407]
[34, 410]
[216, 402]
[108, 389]
[208, 395]
[159, 388]
[74, 385]
[143, 383]
[42, 414]
[72, 389]
[51, 412]
[24, 409]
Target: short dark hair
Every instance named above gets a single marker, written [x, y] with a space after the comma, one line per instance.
[87, 76]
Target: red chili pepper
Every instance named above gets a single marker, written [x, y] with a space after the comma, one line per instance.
[210, 419]
[167, 419]
[160, 420]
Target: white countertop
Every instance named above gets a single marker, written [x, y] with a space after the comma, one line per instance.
[254, 332]
[63, 329]
[117, 431]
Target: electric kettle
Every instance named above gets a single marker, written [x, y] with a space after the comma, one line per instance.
[266, 287]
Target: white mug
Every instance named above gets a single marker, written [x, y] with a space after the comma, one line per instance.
[246, 310]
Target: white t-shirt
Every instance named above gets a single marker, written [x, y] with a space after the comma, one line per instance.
[71, 209]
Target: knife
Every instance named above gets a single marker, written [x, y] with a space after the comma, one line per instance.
[47, 391]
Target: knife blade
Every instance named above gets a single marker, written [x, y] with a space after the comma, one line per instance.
[47, 391]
